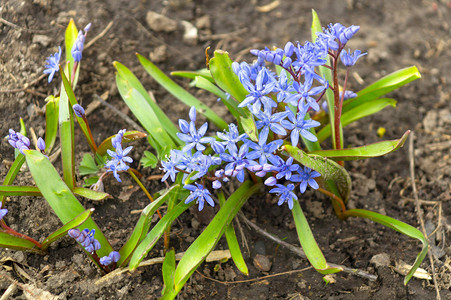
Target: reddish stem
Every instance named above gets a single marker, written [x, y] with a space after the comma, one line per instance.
[11, 231]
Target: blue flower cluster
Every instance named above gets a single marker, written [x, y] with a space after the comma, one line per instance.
[77, 49]
[113, 257]
[119, 157]
[280, 106]
[85, 238]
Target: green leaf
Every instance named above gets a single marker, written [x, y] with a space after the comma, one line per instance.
[328, 169]
[208, 239]
[146, 115]
[142, 226]
[130, 81]
[66, 126]
[232, 242]
[249, 127]
[88, 165]
[59, 196]
[363, 152]
[90, 194]
[229, 102]
[51, 122]
[399, 226]
[75, 222]
[71, 35]
[180, 93]
[90, 181]
[17, 243]
[149, 160]
[204, 73]
[326, 73]
[81, 121]
[11, 190]
[382, 86]
[12, 172]
[225, 78]
[129, 136]
[168, 269]
[364, 110]
[308, 243]
[154, 235]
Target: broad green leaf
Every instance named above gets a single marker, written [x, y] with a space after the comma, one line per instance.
[204, 73]
[142, 226]
[364, 110]
[168, 269]
[12, 172]
[66, 126]
[145, 114]
[81, 121]
[308, 243]
[17, 243]
[154, 235]
[399, 226]
[88, 165]
[59, 196]
[90, 194]
[326, 73]
[180, 93]
[249, 127]
[132, 82]
[51, 122]
[225, 78]
[228, 101]
[75, 222]
[149, 160]
[11, 190]
[129, 136]
[208, 239]
[232, 242]
[71, 35]
[383, 86]
[328, 169]
[363, 152]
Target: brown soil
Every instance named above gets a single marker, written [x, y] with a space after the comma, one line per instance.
[395, 34]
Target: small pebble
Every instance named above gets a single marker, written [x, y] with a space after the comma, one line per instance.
[262, 263]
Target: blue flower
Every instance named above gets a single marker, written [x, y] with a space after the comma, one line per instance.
[349, 59]
[264, 84]
[306, 177]
[170, 165]
[41, 144]
[18, 141]
[268, 121]
[237, 161]
[3, 211]
[52, 65]
[284, 168]
[300, 126]
[284, 87]
[305, 93]
[113, 257]
[285, 193]
[232, 136]
[200, 194]
[119, 157]
[262, 150]
[85, 238]
[191, 136]
[79, 110]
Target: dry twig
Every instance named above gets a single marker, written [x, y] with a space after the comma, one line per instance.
[419, 211]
